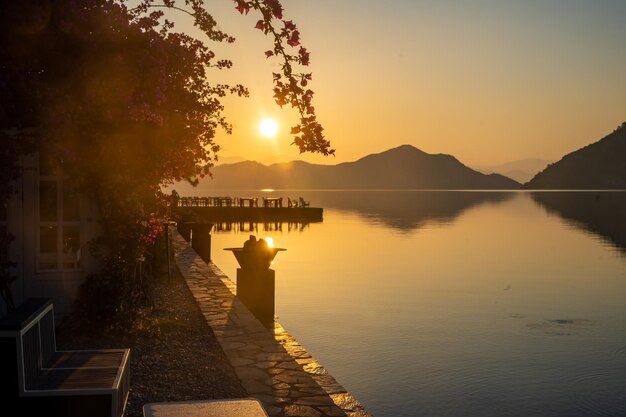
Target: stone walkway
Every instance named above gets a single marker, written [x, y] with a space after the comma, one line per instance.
[271, 365]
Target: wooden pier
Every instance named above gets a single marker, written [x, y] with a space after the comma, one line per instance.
[246, 209]
[256, 214]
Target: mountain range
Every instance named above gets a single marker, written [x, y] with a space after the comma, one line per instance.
[600, 165]
[404, 167]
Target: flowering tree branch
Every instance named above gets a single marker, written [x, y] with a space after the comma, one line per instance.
[290, 87]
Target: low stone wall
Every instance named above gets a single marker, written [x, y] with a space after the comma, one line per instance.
[270, 363]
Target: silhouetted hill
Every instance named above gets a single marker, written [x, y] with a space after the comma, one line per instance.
[404, 167]
[599, 166]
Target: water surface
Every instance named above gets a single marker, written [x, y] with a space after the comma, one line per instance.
[459, 303]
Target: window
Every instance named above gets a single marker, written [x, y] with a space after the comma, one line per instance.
[59, 219]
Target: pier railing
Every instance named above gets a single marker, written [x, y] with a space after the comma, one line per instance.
[226, 201]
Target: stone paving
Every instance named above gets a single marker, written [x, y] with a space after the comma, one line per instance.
[270, 363]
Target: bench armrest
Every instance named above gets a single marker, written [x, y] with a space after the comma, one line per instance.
[25, 315]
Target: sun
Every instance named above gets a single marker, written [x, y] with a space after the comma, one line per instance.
[268, 127]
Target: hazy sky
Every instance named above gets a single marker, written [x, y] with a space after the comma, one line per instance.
[486, 81]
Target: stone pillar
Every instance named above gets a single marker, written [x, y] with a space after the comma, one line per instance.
[255, 288]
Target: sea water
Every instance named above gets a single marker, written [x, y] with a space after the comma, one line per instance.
[465, 303]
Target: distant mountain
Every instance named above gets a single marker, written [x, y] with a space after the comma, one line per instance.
[404, 167]
[229, 160]
[601, 165]
[223, 160]
[521, 170]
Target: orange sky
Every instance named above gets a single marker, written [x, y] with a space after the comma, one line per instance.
[490, 83]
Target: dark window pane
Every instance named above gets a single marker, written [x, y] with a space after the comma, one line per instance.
[71, 247]
[48, 240]
[47, 201]
[47, 166]
[71, 202]
[48, 247]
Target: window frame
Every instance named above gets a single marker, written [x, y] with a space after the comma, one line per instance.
[60, 180]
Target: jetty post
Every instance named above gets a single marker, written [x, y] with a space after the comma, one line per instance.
[184, 228]
[200, 235]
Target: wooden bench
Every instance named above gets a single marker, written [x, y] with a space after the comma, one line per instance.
[36, 379]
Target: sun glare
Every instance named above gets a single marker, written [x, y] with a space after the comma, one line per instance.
[270, 242]
[268, 127]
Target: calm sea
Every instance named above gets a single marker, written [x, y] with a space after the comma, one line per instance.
[458, 303]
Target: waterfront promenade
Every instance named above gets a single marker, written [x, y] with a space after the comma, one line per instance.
[270, 363]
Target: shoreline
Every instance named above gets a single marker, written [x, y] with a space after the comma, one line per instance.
[271, 365]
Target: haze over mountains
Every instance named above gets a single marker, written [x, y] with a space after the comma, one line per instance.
[601, 165]
[522, 170]
[404, 167]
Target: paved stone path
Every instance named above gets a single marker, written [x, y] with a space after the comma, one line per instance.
[271, 364]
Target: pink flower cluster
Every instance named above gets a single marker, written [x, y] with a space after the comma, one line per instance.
[152, 227]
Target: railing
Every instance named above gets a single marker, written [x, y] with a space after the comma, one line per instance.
[225, 201]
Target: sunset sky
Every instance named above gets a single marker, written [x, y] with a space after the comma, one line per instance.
[487, 81]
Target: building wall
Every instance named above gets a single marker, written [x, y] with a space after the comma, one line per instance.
[24, 221]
